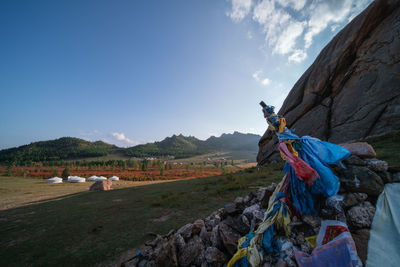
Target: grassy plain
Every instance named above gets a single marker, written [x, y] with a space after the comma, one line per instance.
[20, 191]
[387, 147]
[239, 156]
[64, 224]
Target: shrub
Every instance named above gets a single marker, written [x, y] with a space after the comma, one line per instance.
[10, 170]
[55, 172]
[65, 173]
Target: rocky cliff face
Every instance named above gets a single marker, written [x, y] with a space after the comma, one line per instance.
[352, 90]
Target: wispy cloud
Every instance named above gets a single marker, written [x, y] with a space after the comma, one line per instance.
[297, 56]
[286, 41]
[257, 76]
[280, 28]
[295, 4]
[240, 9]
[323, 14]
[290, 26]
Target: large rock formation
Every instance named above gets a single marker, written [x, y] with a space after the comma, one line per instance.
[352, 90]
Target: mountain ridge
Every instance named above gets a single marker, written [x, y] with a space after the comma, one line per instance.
[177, 146]
[181, 146]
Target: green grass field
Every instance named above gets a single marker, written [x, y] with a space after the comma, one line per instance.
[76, 227]
[387, 147]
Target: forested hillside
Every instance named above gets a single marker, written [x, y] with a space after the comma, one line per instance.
[180, 146]
[59, 149]
[176, 146]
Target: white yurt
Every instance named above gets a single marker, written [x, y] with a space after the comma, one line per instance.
[76, 179]
[54, 180]
[100, 178]
[114, 178]
[92, 178]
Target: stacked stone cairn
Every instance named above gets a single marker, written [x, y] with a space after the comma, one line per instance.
[213, 240]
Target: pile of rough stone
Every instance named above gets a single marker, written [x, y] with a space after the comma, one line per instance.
[212, 241]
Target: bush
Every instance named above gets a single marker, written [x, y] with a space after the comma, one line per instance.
[55, 172]
[65, 173]
[10, 170]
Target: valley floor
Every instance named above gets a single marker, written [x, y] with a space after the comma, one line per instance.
[55, 224]
[20, 191]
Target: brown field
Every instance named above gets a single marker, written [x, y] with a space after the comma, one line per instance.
[131, 174]
[246, 165]
[19, 191]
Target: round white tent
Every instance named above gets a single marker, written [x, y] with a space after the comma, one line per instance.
[92, 178]
[54, 180]
[76, 179]
[100, 178]
[114, 178]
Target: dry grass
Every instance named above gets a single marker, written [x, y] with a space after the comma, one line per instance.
[20, 191]
[64, 224]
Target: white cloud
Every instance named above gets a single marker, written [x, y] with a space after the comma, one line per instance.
[266, 81]
[115, 138]
[263, 11]
[295, 4]
[297, 56]
[331, 12]
[257, 76]
[281, 30]
[249, 35]
[291, 25]
[122, 137]
[287, 39]
[328, 12]
[240, 9]
[122, 140]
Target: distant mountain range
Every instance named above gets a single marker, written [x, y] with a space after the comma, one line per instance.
[178, 146]
[181, 146]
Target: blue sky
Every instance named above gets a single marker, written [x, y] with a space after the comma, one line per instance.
[130, 72]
